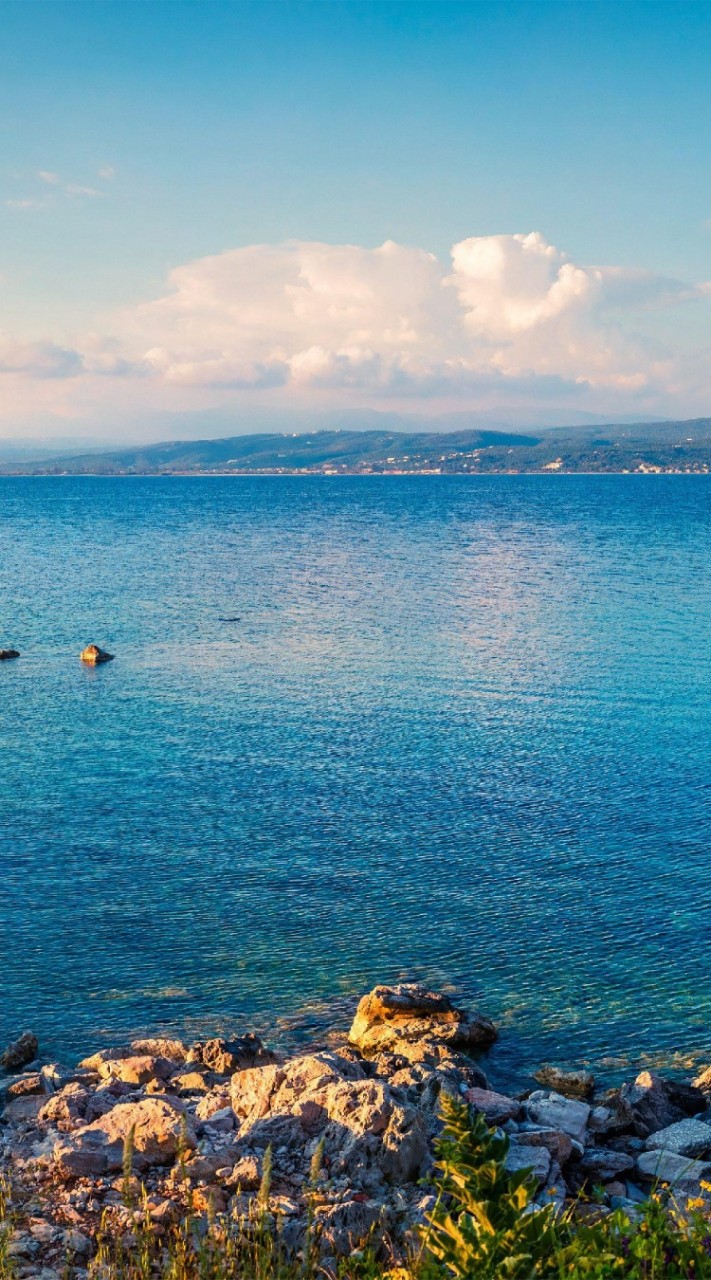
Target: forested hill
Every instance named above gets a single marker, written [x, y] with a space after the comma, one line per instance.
[645, 447]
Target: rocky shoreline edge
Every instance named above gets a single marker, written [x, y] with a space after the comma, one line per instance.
[348, 1133]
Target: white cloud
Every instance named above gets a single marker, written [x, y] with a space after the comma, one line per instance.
[507, 315]
[107, 172]
[301, 312]
[396, 318]
[60, 188]
[74, 189]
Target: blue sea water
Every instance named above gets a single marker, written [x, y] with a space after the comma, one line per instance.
[459, 731]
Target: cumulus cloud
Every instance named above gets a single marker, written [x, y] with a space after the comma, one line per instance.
[503, 314]
[299, 311]
[396, 318]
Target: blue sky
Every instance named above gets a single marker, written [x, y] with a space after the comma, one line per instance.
[144, 139]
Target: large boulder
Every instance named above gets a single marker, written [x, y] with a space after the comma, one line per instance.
[137, 1069]
[67, 1108]
[688, 1137]
[156, 1127]
[369, 1132]
[496, 1108]
[667, 1166]
[553, 1111]
[401, 1019]
[344, 1226]
[652, 1103]
[226, 1056]
[559, 1144]
[23, 1086]
[537, 1160]
[601, 1164]
[161, 1047]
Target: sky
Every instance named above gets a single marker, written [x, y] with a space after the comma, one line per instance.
[259, 214]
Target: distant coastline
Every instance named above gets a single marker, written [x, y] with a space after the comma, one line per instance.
[661, 448]
[267, 475]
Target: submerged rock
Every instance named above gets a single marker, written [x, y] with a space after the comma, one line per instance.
[20, 1052]
[93, 655]
[572, 1084]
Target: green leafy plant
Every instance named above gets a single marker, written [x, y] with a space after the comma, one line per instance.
[483, 1223]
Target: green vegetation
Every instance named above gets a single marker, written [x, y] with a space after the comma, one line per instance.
[484, 1226]
[662, 446]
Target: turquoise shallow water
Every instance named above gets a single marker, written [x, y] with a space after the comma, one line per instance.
[460, 732]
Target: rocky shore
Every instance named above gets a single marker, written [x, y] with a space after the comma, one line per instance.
[348, 1130]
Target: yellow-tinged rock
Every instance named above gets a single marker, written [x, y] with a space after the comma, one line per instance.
[93, 655]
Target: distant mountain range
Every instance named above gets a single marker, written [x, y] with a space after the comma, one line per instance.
[625, 447]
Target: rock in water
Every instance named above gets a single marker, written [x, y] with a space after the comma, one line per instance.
[6, 654]
[389, 1019]
[93, 655]
[572, 1084]
[20, 1052]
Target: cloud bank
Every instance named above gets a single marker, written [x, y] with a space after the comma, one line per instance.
[507, 315]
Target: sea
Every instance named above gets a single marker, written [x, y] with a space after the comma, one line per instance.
[362, 729]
